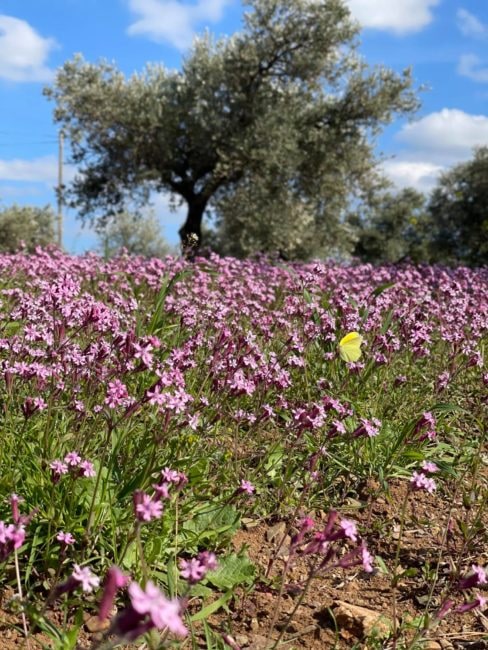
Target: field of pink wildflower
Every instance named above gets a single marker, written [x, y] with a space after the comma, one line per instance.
[158, 416]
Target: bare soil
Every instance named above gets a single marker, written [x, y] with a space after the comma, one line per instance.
[442, 535]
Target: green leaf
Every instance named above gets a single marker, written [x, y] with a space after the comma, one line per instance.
[382, 288]
[212, 523]
[235, 569]
[213, 607]
[380, 563]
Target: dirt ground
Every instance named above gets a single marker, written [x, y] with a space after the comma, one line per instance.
[432, 538]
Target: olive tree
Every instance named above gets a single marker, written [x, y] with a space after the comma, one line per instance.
[25, 226]
[286, 103]
[459, 213]
[136, 235]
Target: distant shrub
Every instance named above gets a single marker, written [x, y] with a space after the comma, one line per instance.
[25, 226]
[138, 235]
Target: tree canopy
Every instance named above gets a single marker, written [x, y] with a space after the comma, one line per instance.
[396, 226]
[25, 226]
[136, 235]
[283, 113]
[459, 212]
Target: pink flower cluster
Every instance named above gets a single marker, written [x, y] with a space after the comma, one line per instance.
[475, 578]
[148, 609]
[12, 537]
[72, 463]
[420, 480]
[324, 542]
[148, 507]
[196, 568]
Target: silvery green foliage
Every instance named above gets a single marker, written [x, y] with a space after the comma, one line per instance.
[459, 211]
[396, 226]
[136, 235]
[25, 226]
[283, 113]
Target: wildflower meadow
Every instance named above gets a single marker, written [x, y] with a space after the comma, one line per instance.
[242, 454]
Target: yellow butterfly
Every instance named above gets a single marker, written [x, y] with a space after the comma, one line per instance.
[350, 346]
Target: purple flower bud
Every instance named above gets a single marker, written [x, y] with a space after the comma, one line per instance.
[444, 609]
[14, 504]
[475, 578]
[114, 580]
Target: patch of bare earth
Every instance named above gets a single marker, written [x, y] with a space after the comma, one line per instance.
[343, 607]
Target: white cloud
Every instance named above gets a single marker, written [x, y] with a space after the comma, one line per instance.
[23, 52]
[173, 21]
[447, 136]
[398, 16]
[404, 173]
[434, 143]
[470, 66]
[470, 25]
[37, 170]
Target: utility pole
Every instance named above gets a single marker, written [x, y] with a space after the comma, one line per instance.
[60, 190]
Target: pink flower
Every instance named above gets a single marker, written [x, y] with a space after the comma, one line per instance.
[208, 559]
[161, 490]
[476, 577]
[163, 613]
[87, 469]
[73, 459]
[65, 538]
[429, 467]
[369, 428]
[247, 487]
[148, 509]
[5, 532]
[170, 475]
[350, 529]
[192, 570]
[17, 536]
[39, 403]
[478, 603]
[419, 481]
[58, 469]
[116, 394]
[88, 580]
[11, 538]
[367, 559]
[173, 476]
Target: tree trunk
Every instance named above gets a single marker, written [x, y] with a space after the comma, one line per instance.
[191, 231]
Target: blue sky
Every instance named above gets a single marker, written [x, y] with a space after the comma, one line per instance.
[445, 41]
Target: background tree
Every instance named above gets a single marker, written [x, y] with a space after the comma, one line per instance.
[459, 212]
[287, 102]
[27, 226]
[396, 226]
[138, 235]
[253, 219]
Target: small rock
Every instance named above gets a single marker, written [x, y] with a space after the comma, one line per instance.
[254, 624]
[446, 645]
[94, 624]
[276, 532]
[260, 643]
[249, 523]
[353, 503]
[285, 548]
[242, 639]
[361, 621]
